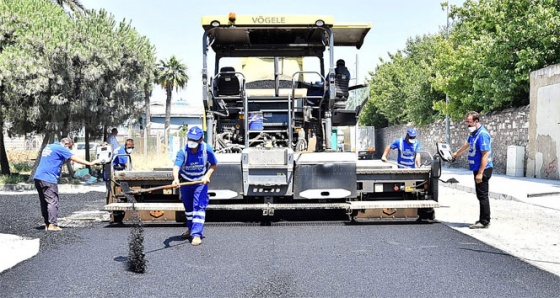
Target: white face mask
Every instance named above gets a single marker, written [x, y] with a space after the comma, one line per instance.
[192, 144]
[472, 129]
[128, 150]
[412, 141]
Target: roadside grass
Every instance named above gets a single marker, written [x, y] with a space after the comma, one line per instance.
[13, 179]
[21, 162]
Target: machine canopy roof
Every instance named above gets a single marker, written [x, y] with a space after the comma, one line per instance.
[288, 36]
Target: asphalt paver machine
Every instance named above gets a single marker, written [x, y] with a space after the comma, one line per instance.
[273, 96]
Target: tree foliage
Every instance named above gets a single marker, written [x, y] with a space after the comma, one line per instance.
[36, 27]
[75, 6]
[485, 64]
[64, 73]
[495, 45]
[171, 75]
[400, 88]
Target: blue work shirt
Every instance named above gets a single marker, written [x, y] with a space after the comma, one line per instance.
[407, 152]
[120, 159]
[52, 158]
[197, 164]
[479, 141]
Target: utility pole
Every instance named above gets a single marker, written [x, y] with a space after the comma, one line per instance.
[357, 70]
[447, 132]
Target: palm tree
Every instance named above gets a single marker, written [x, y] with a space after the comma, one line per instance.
[170, 75]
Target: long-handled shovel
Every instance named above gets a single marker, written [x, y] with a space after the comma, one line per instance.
[168, 186]
[398, 164]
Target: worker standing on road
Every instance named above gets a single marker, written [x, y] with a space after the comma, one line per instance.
[408, 148]
[112, 139]
[479, 145]
[196, 162]
[46, 178]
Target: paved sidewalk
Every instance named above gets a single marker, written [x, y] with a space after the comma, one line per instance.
[525, 215]
[502, 187]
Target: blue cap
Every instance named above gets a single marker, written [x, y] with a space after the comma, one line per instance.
[195, 133]
[411, 132]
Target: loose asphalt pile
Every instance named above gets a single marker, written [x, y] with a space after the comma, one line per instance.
[21, 215]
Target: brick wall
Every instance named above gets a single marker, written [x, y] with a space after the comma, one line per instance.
[507, 127]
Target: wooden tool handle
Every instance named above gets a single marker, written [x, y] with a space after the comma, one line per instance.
[167, 186]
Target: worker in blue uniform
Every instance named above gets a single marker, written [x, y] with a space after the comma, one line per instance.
[122, 158]
[408, 150]
[195, 163]
[46, 178]
[479, 146]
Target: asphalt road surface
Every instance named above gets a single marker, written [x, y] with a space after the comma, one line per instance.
[286, 259]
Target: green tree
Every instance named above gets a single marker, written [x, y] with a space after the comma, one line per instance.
[386, 93]
[111, 65]
[75, 6]
[419, 93]
[7, 37]
[170, 75]
[66, 74]
[493, 47]
[40, 27]
[400, 89]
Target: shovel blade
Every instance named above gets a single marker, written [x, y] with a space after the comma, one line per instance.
[128, 193]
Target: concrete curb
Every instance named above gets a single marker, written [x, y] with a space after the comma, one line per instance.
[521, 197]
[17, 187]
[503, 187]
[83, 187]
[15, 249]
[491, 194]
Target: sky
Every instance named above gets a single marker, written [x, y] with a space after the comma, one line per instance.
[174, 27]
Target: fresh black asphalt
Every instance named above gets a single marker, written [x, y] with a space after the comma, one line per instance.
[285, 259]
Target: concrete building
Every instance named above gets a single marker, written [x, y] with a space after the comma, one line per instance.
[181, 113]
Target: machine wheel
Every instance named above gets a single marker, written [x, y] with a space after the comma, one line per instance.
[426, 214]
[118, 216]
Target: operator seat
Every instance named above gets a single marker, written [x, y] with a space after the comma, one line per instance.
[341, 82]
[228, 83]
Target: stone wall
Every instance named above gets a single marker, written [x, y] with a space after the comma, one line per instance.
[507, 127]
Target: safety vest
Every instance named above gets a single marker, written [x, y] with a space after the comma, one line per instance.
[407, 159]
[195, 172]
[475, 155]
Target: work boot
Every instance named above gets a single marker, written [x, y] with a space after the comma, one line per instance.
[196, 241]
[52, 227]
[479, 225]
[187, 234]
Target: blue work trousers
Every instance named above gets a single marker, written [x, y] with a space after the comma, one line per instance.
[195, 199]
